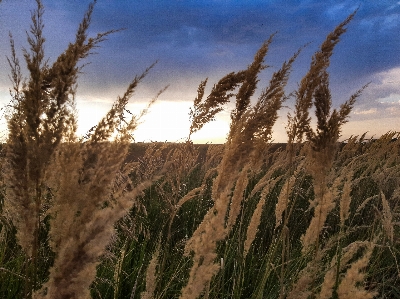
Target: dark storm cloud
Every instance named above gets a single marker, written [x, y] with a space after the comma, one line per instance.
[197, 39]
[176, 31]
[194, 31]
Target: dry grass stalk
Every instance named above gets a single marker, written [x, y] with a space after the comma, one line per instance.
[304, 286]
[191, 194]
[278, 160]
[89, 199]
[249, 127]
[387, 220]
[205, 111]
[151, 277]
[323, 203]
[250, 80]
[323, 140]
[345, 199]
[352, 147]
[349, 286]
[315, 86]
[237, 197]
[117, 272]
[256, 217]
[299, 124]
[151, 162]
[283, 198]
[381, 160]
[81, 229]
[203, 242]
[181, 162]
[330, 278]
[329, 124]
[301, 288]
[252, 229]
[328, 283]
[255, 125]
[213, 157]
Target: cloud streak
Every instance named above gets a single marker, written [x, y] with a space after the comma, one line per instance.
[197, 39]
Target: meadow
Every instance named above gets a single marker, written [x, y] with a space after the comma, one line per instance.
[100, 216]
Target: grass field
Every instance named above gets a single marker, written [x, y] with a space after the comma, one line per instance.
[102, 217]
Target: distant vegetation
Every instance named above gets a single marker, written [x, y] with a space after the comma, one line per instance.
[101, 217]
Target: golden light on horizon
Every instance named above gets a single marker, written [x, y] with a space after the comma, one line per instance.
[165, 121]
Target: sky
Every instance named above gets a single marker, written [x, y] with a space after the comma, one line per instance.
[193, 39]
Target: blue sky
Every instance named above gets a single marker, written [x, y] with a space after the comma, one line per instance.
[193, 40]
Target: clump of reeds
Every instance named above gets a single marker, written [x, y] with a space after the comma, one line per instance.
[314, 89]
[87, 179]
[251, 127]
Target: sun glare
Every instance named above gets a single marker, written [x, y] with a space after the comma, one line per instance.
[165, 121]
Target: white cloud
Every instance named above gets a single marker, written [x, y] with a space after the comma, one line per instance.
[382, 92]
[391, 99]
[378, 109]
[365, 112]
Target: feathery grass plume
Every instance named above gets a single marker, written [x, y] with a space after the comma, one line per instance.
[237, 197]
[250, 127]
[387, 220]
[304, 286]
[114, 121]
[212, 229]
[283, 198]
[323, 204]
[151, 162]
[254, 223]
[345, 199]
[385, 167]
[255, 125]
[213, 159]
[324, 140]
[352, 146]
[191, 194]
[43, 115]
[306, 277]
[203, 242]
[255, 220]
[299, 123]
[277, 160]
[205, 111]
[328, 285]
[250, 81]
[173, 191]
[151, 276]
[349, 287]
[329, 123]
[182, 160]
[87, 202]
